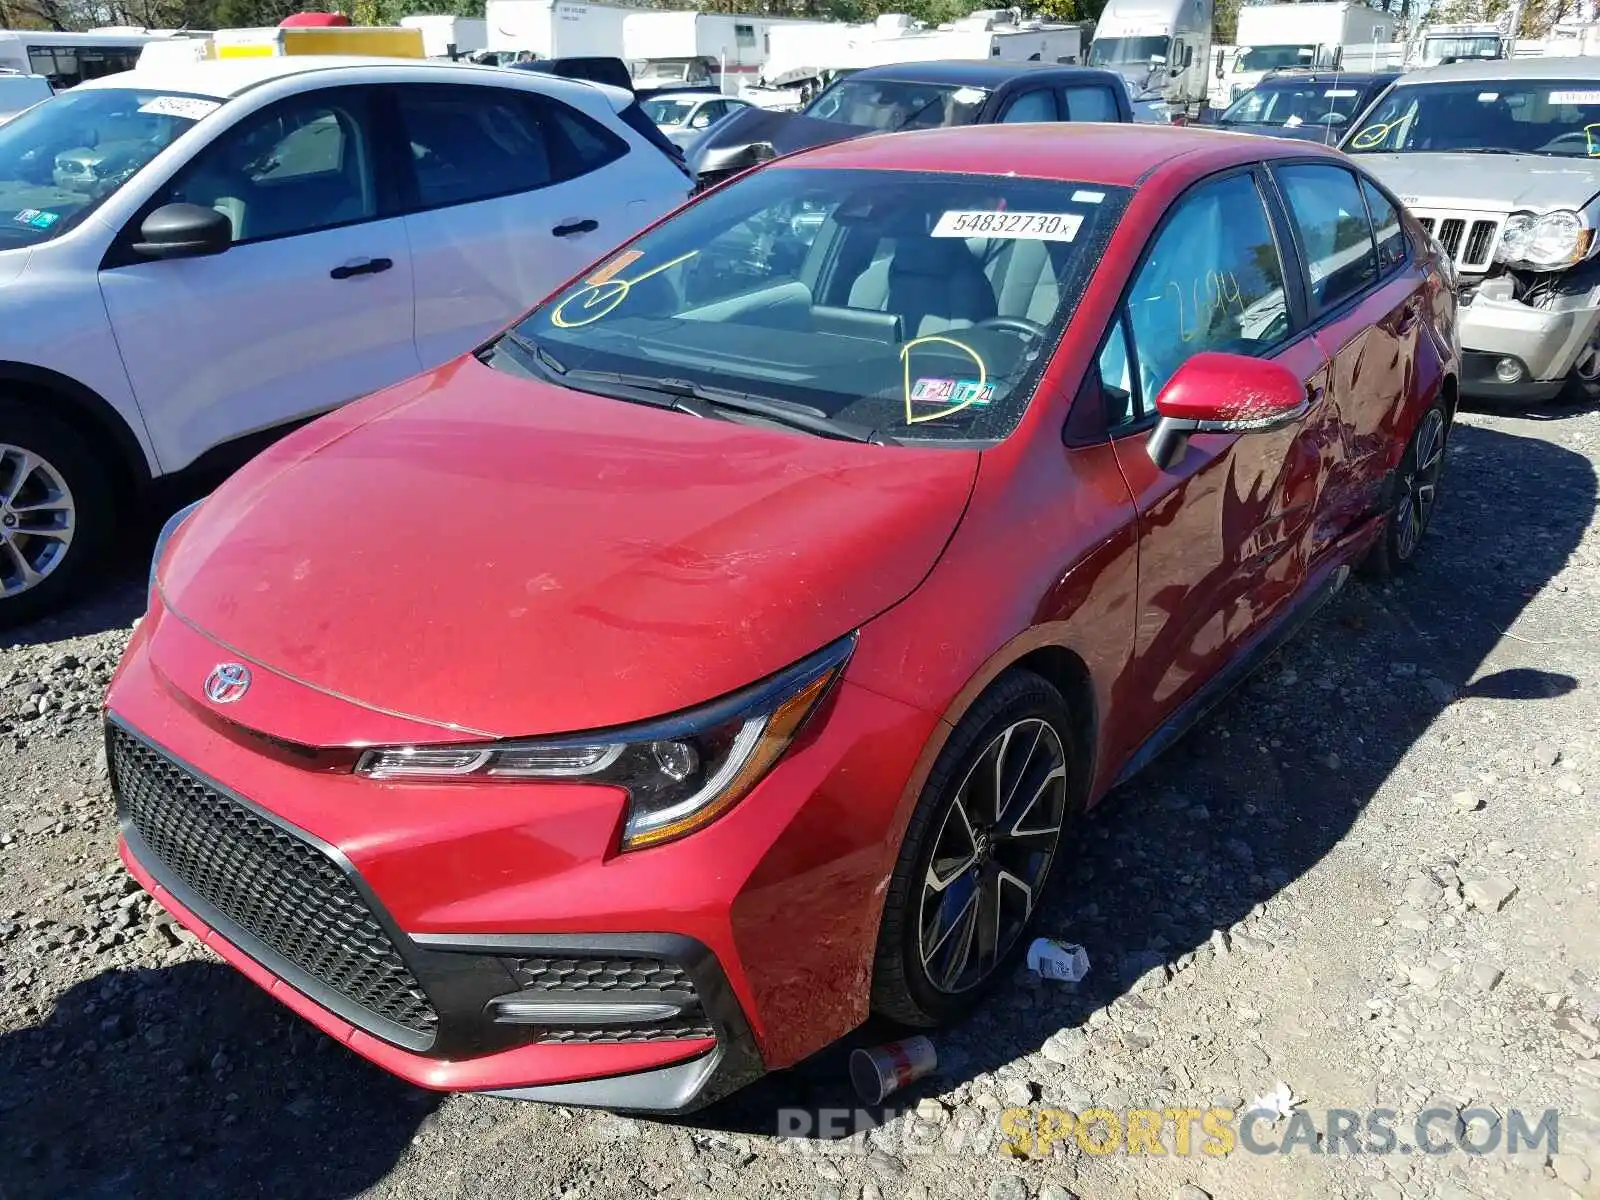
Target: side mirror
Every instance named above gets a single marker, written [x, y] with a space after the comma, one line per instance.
[1223, 393]
[184, 231]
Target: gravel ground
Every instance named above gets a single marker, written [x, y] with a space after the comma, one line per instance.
[1372, 876]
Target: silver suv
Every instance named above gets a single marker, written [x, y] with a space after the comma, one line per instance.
[1500, 161]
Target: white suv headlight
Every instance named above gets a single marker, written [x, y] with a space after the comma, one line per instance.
[1544, 243]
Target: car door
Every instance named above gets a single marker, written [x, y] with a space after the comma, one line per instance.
[311, 305]
[1365, 305]
[1221, 530]
[512, 193]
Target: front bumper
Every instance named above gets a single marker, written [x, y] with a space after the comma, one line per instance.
[1546, 341]
[404, 919]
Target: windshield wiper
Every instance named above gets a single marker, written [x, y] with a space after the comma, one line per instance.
[797, 416]
[1488, 150]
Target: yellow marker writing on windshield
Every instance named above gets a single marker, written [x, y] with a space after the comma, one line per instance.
[605, 296]
[1591, 140]
[1371, 136]
[905, 361]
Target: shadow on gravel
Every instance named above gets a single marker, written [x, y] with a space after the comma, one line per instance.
[189, 1081]
[1244, 805]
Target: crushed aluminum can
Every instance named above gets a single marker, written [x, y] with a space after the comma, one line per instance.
[885, 1069]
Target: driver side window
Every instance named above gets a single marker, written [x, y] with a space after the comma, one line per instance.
[296, 167]
[1213, 280]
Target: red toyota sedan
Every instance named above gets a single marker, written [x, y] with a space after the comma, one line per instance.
[728, 648]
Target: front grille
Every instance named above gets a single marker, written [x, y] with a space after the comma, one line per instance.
[1470, 241]
[617, 976]
[283, 892]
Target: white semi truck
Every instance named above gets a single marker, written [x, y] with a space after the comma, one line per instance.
[1274, 36]
[1161, 47]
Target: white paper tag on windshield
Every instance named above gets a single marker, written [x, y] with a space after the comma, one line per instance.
[1575, 97]
[1032, 226]
[191, 108]
[1292, 122]
[1340, 93]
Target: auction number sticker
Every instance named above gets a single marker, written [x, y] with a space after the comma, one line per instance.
[1575, 97]
[191, 108]
[1032, 226]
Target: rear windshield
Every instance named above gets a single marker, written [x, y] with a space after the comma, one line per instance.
[1555, 117]
[1330, 105]
[921, 306]
[889, 104]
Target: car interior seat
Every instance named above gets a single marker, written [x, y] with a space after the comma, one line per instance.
[932, 284]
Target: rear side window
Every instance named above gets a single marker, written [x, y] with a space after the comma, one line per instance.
[1089, 104]
[635, 119]
[1038, 105]
[1386, 228]
[477, 143]
[1335, 235]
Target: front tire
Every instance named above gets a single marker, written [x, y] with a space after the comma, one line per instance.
[978, 853]
[1415, 499]
[57, 515]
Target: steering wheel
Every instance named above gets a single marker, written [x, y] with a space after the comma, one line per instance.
[1330, 118]
[1024, 327]
[1575, 135]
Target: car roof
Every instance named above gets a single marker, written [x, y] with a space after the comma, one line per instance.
[1117, 155]
[1319, 74]
[225, 78]
[1507, 69]
[977, 72]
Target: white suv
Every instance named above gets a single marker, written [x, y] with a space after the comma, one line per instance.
[195, 254]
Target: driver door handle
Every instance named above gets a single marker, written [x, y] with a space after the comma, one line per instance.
[365, 266]
[587, 225]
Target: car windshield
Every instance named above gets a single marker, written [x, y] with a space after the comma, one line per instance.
[61, 159]
[887, 104]
[1119, 51]
[1290, 104]
[1437, 49]
[668, 112]
[1557, 117]
[1272, 58]
[904, 305]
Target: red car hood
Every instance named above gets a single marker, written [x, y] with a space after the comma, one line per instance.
[476, 550]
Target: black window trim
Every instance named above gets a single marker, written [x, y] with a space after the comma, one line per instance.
[1294, 297]
[409, 190]
[380, 143]
[1334, 312]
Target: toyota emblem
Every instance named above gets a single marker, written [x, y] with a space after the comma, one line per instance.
[227, 682]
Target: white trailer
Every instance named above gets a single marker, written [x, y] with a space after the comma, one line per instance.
[442, 34]
[804, 50]
[727, 50]
[980, 36]
[1161, 47]
[555, 28]
[1274, 36]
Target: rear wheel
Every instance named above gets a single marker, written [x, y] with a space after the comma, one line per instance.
[1415, 497]
[978, 853]
[56, 512]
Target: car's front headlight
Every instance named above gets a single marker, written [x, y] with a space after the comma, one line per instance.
[680, 773]
[1544, 243]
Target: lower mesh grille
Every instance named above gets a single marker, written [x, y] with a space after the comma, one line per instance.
[284, 892]
[615, 977]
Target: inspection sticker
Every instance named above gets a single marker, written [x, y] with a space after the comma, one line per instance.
[1088, 197]
[932, 391]
[1575, 97]
[37, 218]
[191, 108]
[1031, 226]
[618, 264]
[970, 391]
